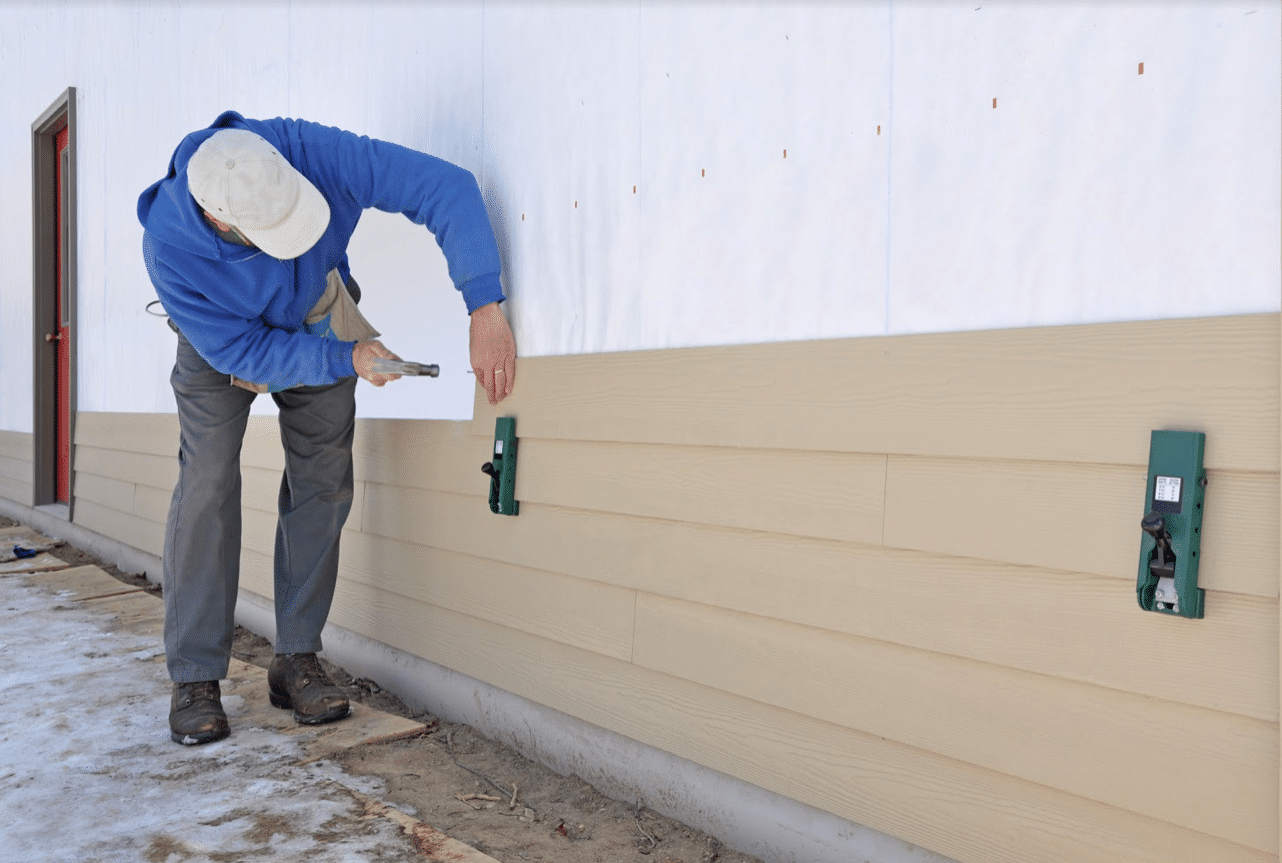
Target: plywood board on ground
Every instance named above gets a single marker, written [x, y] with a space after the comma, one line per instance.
[245, 691]
[80, 583]
[364, 725]
[21, 536]
[42, 561]
[138, 612]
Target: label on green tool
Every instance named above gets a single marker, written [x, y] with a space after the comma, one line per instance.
[1167, 488]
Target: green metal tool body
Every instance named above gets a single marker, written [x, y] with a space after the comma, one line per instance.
[502, 470]
[1172, 525]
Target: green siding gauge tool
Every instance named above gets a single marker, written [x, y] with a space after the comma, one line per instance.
[1172, 525]
[502, 471]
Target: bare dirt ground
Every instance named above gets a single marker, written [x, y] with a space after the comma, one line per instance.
[482, 792]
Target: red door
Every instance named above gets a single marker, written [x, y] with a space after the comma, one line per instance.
[59, 332]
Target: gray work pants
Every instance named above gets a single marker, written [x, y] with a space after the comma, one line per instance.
[202, 538]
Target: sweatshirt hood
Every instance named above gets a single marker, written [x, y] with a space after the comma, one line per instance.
[171, 215]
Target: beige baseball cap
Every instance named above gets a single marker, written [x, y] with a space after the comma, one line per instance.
[239, 178]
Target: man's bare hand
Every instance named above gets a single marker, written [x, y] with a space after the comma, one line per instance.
[363, 356]
[493, 352]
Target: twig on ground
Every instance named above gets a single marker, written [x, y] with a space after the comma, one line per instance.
[636, 816]
[512, 805]
[449, 740]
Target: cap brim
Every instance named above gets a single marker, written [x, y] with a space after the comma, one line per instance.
[300, 230]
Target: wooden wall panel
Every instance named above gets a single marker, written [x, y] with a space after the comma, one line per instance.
[830, 569]
[1032, 726]
[258, 531]
[1081, 627]
[155, 434]
[15, 467]
[260, 488]
[439, 455]
[126, 527]
[583, 613]
[1061, 394]
[152, 503]
[15, 445]
[256, 573]
[965, 812]
[154, 471]
[262, 447]
[111, 493]
[16, 490]
[1079, 518]
[15, 470]
[831, 495]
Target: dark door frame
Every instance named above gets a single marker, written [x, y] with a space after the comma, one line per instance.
[44, 286]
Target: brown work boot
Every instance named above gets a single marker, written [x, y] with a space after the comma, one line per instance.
[196, 713]
[296, 680]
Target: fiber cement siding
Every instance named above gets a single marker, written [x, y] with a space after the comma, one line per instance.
[15, 466]
[891, 577]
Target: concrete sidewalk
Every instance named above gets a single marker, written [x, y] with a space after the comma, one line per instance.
[88, 773]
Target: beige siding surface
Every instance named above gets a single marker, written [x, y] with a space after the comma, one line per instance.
[893, 578]
[15, 466]
[1076, 394]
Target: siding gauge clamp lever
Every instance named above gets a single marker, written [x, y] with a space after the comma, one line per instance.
[1162, 563]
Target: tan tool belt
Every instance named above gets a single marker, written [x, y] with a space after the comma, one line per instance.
[346, 323]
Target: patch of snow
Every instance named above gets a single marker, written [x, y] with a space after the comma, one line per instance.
[90, 772]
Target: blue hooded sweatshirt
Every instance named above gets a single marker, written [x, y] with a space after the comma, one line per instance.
[242, 309]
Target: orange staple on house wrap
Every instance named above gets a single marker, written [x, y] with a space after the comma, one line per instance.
[785, 154]
[878, 130]
[994, 101]
[634, 190]
[1141, 68]
[703, 172]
